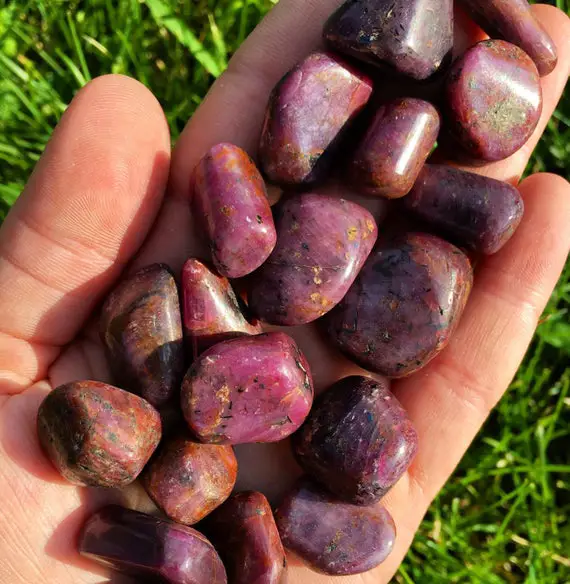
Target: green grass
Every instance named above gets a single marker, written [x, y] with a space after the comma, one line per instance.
[504, 517]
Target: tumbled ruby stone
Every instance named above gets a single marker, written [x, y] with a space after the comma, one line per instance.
[188, 480]
[231, 202]
[322, 243]
[413, 37]
[244, 532]
[404, 305]
[142, 330]
[144, 546]
[513, 21]
[306, 116]
[357, 441]
[493, 100]
[473, 210]
[333, 537]
[250, 389]
[97, 435]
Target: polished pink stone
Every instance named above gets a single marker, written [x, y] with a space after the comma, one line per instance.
[250, 389]
[322, 243]
[306, 116]
[231, 203]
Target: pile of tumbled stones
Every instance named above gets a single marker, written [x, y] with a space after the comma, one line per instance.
[389, 305]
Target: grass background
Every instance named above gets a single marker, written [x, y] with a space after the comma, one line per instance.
[504, 517]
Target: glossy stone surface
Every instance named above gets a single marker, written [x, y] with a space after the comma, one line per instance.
[231, 203]
[404, 305]
[475, 211]
[306, 116]
[244, 532]
[357, 441]
[493, 100]
[250, 389]
[322, 243]
[144, 546]
[395, 147]
[97, 435]
[413, 37]
[333, 537]
[141, 328]
[513, 21]
[188, 480]
[211, 309]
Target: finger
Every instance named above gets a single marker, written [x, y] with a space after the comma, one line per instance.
[84, 213]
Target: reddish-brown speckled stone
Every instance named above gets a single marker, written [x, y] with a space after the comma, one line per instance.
[142, 331]
[493, 100]
[306, 115]
[97, 435]
[231, 203]
[404, 305]
[188, 480]
[395, 147]
[357, 441]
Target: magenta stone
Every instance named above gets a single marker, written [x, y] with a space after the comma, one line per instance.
[231, 201]
[357, 441]
[250, 389]
[404, 305]
[412, 37]
[142, 331]
[513, 21]
[335, 538]
[394, 149]
[474, 211]
[144, 547]
[322, 244]
[493, 100]
[306, 116]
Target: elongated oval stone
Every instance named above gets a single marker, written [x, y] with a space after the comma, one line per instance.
[322, 244]
[244, 532]
[212, 311]
[188, 480]
[403, 307]
[97, 435]
[357, 441]
[144, 546]
[250, 389]
[493, 100]
[333, 537]
[513, 21]
[395, 147]
[231, 202]
[412, 37]
[306, 116]
[142, 331]
[473, 210]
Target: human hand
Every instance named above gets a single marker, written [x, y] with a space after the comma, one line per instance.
[101, 197]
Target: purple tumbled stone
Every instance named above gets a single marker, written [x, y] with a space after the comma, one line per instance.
[404, 305]
[322, 243]
[333, 537]
[357, 441]
[493, 100]
[475, 211]
[413, 37]
[513, 21]
[141, 327]
[231, 202]
[144, 546]
[250, 389]
[395, 147]
[306, 116]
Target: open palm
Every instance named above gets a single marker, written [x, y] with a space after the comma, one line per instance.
[107, 193]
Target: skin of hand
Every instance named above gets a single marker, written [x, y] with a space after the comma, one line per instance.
[107, 194]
